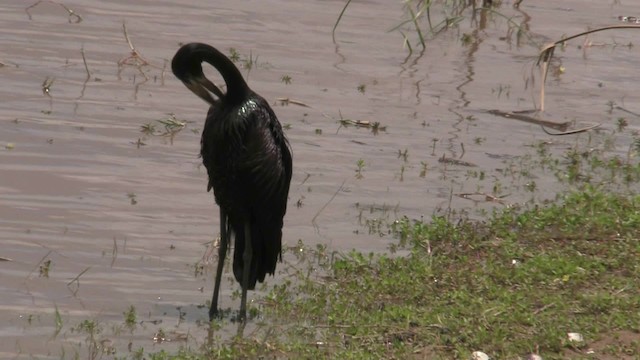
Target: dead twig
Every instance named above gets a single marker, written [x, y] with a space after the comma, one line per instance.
[76, 280]
[287, 101]
[571, 132]
[538, 311]
[74, 18]
[114, 252]
[627, 111]
[84, 61]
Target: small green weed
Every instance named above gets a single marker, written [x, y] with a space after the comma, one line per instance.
[44, 268]
[130, 317]
[359, 169]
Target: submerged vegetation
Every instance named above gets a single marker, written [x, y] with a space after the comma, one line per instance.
[425, 20]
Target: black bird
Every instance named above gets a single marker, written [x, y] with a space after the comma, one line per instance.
[248, 161]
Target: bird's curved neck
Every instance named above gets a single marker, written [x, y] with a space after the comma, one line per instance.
[187, 66]
[237, 88]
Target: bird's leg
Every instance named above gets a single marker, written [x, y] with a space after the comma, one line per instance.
[222, 253]
[246, 269]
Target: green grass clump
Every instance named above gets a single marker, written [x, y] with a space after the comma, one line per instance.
[509, 287]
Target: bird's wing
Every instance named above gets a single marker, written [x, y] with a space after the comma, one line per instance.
[265, 167]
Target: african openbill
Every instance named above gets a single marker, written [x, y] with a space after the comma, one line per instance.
[249, 165]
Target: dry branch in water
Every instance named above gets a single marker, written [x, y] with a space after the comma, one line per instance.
[74, 18]
[375, 126]
[287, 101]
[451, 161]
[522, 117]
[572, 132]
[544, 58]
[136, 60]
[561, 126]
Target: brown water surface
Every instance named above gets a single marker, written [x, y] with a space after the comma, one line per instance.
[123, 217]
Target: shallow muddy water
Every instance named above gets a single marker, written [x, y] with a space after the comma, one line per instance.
[124, 217]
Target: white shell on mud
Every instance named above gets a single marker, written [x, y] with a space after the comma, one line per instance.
[479, 355]
[575, 337]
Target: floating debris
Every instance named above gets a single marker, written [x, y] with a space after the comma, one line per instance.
[629, 19]
[373, 125]
[451, 161]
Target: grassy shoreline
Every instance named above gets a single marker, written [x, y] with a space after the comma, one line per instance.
[512, 286]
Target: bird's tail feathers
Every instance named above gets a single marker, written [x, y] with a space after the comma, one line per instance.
[267, 246]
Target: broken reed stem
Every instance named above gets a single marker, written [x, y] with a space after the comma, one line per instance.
[84, 61]
[126, 36]
[114, 252]
[546, 54]
[313, 221]
[333, 31]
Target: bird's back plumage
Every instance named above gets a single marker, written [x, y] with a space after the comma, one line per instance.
[248, 162]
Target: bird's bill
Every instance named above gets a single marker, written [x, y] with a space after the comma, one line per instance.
[201, 91]
[211, 87]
